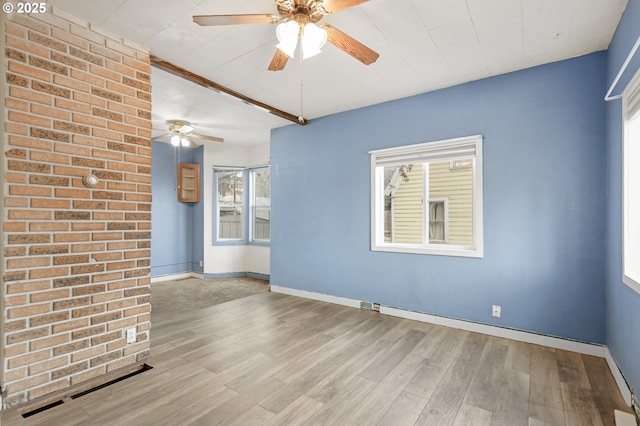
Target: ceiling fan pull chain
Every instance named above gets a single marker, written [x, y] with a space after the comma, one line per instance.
[301, 117]
[175, 168]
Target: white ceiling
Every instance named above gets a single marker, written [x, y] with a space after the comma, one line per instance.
[424, 45]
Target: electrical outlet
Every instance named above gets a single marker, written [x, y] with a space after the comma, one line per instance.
[131, 335]
[200, 263]
[496, 310]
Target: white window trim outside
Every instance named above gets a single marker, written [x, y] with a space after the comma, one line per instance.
[427, 212]
[377, 199]
[631, 166]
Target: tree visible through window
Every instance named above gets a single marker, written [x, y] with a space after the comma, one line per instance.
[427, 198]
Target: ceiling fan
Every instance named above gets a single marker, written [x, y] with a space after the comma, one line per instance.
[297, 21]
[181, 134]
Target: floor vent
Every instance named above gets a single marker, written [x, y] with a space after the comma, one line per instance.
[43, 408]
[370, 306]
[140, 369]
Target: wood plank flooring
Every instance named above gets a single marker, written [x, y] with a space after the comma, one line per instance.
[273, 359]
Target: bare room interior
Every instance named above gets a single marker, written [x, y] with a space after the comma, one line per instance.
[279, 212]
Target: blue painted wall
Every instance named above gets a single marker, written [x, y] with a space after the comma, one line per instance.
[197, 217]
[172, 239]
[544, 186]
[623, 304]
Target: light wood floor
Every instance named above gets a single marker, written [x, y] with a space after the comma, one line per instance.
[276, 359]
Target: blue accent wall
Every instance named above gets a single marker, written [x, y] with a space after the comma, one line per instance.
[544, 191]
[623, 304]
[172, 237]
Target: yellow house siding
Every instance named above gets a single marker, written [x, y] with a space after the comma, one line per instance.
[455, 185]
[407, 208]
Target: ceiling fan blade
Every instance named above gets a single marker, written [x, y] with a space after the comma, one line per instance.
[206, 138]
[279, 61]
[208, 20]
[350, 45]
[332, 6]
[166, 135]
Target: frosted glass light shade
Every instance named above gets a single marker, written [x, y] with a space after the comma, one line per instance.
[312, 41]
[175, 140]
[287, 34]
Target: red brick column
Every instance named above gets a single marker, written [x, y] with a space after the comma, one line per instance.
[76, 259]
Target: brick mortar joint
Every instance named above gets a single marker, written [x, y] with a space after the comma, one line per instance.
[74, 21]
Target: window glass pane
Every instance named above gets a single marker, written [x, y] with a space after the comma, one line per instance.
[437, 223]
[230, 195]
[456, 186]
[632, 194]
[403, 195]
[261, 221]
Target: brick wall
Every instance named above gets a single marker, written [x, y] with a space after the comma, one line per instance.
[76, 259]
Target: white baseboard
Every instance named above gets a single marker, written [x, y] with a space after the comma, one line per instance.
[593, 349]
[352, 303]
[492, 330]
[172, 277]
[617, 375]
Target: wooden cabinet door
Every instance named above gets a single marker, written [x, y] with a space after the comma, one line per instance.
[189, 183]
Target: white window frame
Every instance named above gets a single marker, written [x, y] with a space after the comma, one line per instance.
[219, 205]
[450, 148]
[631, 187]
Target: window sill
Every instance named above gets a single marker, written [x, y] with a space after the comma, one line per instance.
[453, 251]
[241, 243]
[229, 242]
[631, 283]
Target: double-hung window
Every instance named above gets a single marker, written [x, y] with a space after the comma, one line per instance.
[260, 204]
[243, 205]
[427, 198]
[230, 183]
[631, 189]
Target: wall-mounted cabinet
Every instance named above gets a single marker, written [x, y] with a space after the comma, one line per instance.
[189, 183]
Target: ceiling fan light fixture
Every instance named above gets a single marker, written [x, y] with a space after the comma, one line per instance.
[175, 140]
[184, 141]
[313, 39]
[185, 129]
[287, 34]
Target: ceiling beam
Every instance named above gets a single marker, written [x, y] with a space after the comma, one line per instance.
[197, 79]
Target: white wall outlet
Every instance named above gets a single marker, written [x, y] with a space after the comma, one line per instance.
[131, 335]
[496, 310]
[200, 263]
